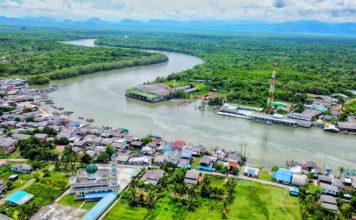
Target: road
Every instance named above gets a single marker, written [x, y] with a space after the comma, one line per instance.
[246, 178]
[14, 160]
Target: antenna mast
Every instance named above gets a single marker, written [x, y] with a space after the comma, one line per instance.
[270, 99]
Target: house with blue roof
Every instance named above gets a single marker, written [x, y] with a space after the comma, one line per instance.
[251, 171]
[187, 154]
[19, 197]
[283, 176]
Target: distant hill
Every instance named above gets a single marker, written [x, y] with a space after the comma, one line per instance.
[304, 26]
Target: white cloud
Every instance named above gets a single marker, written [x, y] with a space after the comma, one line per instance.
[268, 10]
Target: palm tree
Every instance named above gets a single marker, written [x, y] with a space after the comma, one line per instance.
[151, 197]
[341, 170]
[224, 210]
[132, 196]
[191, 192]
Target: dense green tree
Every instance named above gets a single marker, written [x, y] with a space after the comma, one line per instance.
[110, 150]
[62, 141]
[103, 158]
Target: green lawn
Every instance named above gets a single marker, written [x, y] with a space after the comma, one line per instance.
[122, 210]
[264, 175]
[195, 162]
[23, 178]
[68, 200]
[165, 208]
[208, 209]
[252, 201]
[45, 190]
[257, 201]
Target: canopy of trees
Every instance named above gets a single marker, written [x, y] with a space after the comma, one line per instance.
[240, 65]
[42, 60]
[33, 149]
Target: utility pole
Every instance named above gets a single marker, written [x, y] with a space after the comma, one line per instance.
[270, 99]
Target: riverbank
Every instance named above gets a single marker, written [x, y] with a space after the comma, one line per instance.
[267, 145]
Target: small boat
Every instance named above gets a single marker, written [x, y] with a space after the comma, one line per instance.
[89, 120]
[331, 128]
[154, 136]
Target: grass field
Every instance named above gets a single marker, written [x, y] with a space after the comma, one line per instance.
[195, 162]
[122, 210]
[264, 175]
[68, 200]
[252, 201]
[208, 209]
[257, 201]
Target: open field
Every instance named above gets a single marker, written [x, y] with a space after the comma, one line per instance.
[264, 175]
[122, 210]
[45, 190]
[257, 201]
[68, 200]
[252, 201]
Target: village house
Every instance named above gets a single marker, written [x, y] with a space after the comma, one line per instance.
[324, 179]
[191, 177]
[299, 179]
[139, 161]
[329, 189]
[3, 187]
[184, 163]
[18, 137]
[7, 142]
[152, 176]
[174, 157]
[206, 161]
[309, 166]
[41, 137]
[147, 150]
[187, 154]
[137, 144]
[329, 203]
[346, 127]
[282, 176]
[159, 159]
[13, 177]
[122, 158]
[251, 172]
[21, 168]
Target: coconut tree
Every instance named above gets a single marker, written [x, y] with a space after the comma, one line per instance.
[341, 170]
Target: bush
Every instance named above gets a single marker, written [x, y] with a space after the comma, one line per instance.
[38, 80]
[62, 141]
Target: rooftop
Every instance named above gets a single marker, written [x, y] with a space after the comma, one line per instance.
[19, 197]
[102, 176]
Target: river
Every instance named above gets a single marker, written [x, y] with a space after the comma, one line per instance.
[101, 96]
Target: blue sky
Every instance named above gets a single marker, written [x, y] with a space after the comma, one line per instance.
[114, 10]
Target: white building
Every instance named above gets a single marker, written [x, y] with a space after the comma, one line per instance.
[94, 180]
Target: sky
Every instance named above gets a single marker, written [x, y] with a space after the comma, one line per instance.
[185, 10]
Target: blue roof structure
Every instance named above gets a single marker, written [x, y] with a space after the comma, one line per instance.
[186, 166]
[283, 175]
[167, 149]
[294, 191]
[251, 171]
[19, 197]
[101, 206]
[300, 116]
[205, 168]
[74, 123]
[187, 154]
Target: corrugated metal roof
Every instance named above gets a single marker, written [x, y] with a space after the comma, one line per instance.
[101, 206]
